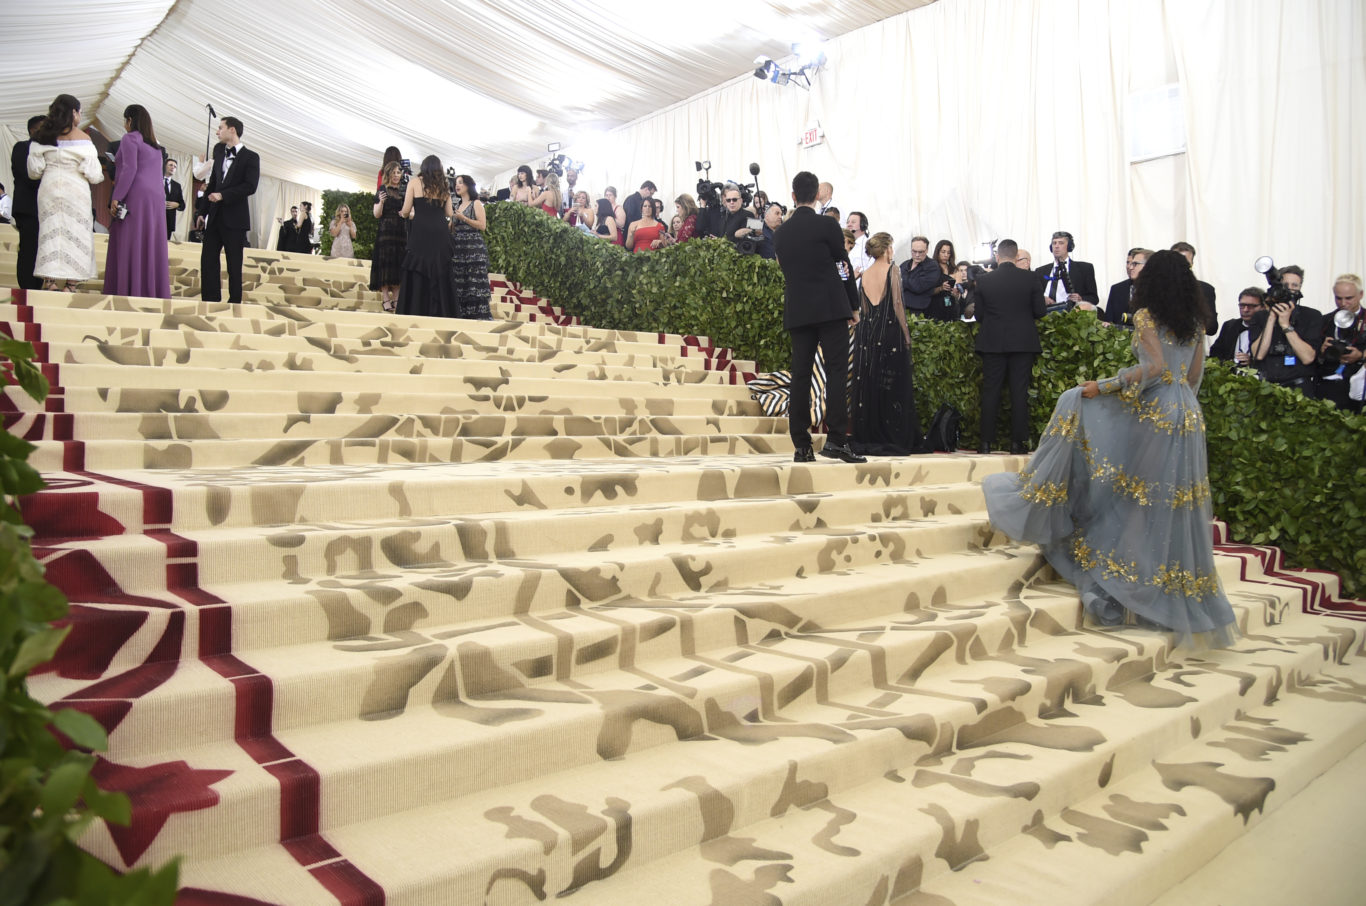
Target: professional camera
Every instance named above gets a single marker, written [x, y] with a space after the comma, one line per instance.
[1277, 293]
[1332, 353]
[710, 192]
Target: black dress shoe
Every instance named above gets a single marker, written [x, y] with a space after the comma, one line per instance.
[842, 452]
[804, 454]
[1018, 448]
[984, 447]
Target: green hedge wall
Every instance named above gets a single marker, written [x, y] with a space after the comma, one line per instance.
[1283, 470]
[362, 205]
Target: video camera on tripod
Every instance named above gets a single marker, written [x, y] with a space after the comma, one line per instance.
[709, 192]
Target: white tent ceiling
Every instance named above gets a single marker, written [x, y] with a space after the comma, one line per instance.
[324, 86]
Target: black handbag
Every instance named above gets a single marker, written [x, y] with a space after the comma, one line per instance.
[943, 434]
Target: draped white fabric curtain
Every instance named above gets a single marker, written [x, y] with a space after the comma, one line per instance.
[980, 119]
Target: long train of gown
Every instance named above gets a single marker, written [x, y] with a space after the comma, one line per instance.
[1118, 495]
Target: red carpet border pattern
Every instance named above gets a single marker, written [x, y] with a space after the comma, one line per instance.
[391, 610]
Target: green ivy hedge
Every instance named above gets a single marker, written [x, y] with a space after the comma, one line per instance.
[47, 795]
[1283, 469]
[362, 205]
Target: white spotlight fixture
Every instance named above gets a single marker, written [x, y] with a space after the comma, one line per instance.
[810, 57]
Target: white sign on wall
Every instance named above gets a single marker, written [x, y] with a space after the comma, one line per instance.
[812, 135]
[1155, 123]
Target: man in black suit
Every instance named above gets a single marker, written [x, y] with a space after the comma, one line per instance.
[232, 181]
[25, 211]
[1119, 304]
[920, 277]
[1235, 338]
[175, 196]
[1009, 301]
[816, 312]
[1211, 315]
[1068, 283]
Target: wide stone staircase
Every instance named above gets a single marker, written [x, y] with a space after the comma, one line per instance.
[391, 609]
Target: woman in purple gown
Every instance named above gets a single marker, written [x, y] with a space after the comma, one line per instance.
[136, 263]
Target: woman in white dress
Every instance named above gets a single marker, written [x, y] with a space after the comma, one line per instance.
[64, 159]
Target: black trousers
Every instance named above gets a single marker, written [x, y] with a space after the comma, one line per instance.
[27, 224]
[996, 366]
[1336, 393]
[832, 337]
[231, 243]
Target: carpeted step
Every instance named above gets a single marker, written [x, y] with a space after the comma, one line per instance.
[813, 756]
[192, 401]
[93, 505]
[880, 842]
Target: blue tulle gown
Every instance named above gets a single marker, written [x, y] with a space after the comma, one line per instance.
[1117, 494]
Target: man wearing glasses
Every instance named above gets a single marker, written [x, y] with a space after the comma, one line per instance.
[736, 225]
[1233, 342]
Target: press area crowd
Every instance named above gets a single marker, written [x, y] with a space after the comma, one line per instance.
[1284, 341]
[429, 256]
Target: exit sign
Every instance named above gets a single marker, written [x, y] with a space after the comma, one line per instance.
[812, 135]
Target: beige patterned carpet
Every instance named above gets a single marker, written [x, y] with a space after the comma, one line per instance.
[385, 609]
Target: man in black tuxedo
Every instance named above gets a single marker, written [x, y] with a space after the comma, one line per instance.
[25, 211]
[175, 197]
[1235, 338]
[1211, 314]
[1119, 304]
[1009, 301]
[816, 312]
[232, 181]
[1068, 283]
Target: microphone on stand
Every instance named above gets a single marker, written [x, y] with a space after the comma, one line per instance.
[211, 113]
[754, 171]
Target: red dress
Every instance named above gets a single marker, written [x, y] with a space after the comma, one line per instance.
[646, 235]
[688, 228]
[549, 210]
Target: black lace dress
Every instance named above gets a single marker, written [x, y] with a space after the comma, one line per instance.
[391, 243]
[883, 419]
[470, 268]
[426, 288]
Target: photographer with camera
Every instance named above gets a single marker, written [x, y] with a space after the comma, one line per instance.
[1234, 343]
[920, 277]
[1342, 346]
[343, 230]
[1280, 350]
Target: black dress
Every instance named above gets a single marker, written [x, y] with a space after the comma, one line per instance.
[882, 415]
[391, 243]
[426, 288]
[470, 269]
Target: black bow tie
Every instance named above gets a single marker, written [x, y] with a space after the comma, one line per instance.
[231, 153]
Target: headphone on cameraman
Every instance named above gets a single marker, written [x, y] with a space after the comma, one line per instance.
[1071, 243]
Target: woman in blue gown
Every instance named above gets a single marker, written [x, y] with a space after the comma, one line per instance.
[1117, 493]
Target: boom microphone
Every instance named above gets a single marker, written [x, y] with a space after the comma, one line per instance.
[211, 113]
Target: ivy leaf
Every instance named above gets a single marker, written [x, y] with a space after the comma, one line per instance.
[81, 728]
[37, 649]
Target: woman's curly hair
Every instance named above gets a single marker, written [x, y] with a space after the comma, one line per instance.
[1166, 287]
